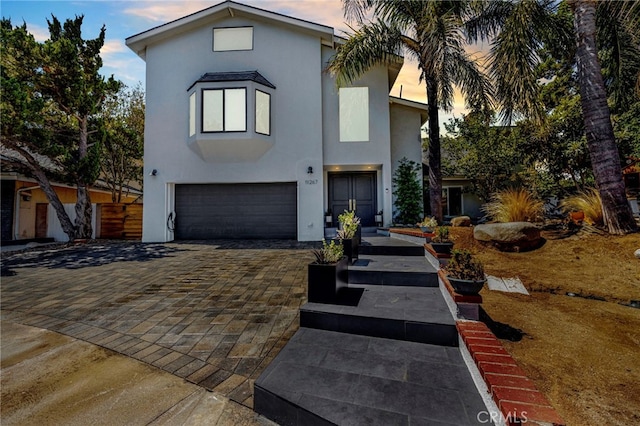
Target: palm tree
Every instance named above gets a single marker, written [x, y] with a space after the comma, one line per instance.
[432, 32]
[512, 63]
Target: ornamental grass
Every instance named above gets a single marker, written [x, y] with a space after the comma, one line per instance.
[514, 205]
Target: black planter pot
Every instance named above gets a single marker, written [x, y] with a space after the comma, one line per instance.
[351, 248]
[466, 287]
[326, 280]
[442, 248]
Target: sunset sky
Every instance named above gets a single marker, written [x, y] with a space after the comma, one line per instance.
[126, 18]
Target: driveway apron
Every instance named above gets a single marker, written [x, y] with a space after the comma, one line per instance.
[215, 314]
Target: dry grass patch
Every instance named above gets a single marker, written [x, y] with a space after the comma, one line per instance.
[582, 353]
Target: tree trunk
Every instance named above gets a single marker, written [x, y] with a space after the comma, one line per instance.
[55, 202]
[433, 153]
[597, 122]
[83, 201]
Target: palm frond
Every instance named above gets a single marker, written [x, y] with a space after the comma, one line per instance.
[372, 44]
[476, 86]
[484, 19]
[513, 58]
[619, 51]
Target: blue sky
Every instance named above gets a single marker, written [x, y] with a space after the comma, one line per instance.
[126, 18]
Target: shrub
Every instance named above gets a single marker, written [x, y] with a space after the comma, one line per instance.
[587, 201]
[349, 223]
[408, 192]
[329, 253]
[442, 235]
[464, 266]
[514, 205]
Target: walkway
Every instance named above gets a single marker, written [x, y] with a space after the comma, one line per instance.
[215, 314]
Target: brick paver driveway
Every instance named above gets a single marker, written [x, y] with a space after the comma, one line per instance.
[215, 314]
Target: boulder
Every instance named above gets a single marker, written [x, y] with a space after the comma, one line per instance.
[461, 221]
[637, 254]
[510, 236]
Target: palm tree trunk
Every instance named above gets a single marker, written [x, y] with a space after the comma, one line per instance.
[433, 153]
[597, 122]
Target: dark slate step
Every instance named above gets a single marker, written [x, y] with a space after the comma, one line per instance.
[415, 314]
[385, 246]
[393, 271]
[323, 378]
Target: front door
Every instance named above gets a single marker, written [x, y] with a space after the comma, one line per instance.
[353, 191]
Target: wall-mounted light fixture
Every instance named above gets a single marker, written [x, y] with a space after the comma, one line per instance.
[310, 170]
[154, 172]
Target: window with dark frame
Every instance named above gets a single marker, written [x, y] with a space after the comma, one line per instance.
[224, 110]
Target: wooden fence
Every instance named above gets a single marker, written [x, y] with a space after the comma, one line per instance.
[121, 221]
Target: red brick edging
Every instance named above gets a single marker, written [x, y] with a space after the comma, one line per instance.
[517, 397]
[410, 231]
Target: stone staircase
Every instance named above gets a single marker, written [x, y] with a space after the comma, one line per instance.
[391, 357]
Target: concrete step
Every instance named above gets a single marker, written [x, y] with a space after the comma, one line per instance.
[328, 378]
[393, 270]
[385, 246]
[414, 314]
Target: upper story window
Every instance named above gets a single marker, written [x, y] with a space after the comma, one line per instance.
[224, 110]
[354, 114]
[229, 39]
[263, 112]
[225, 103]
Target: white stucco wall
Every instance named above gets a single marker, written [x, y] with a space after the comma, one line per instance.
[405, 136]
[289, 60]
[357, 156]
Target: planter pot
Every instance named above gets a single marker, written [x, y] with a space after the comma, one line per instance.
[442, 248]
[466, 287]
[351, 249]
[326, 280]
[426, 230]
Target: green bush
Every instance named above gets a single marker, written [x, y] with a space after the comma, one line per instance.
[408, 192]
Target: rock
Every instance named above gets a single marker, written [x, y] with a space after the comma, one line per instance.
[461, 221]
[637, 254]
[510, 236]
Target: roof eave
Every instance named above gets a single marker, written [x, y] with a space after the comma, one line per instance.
[139, 42]
[419, 106]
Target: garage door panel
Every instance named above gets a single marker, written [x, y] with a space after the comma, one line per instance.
[236, 211]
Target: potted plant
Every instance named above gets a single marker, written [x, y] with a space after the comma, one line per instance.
[465, 273]
[348, 234]
[441, 243]
[428, 224]
[328, 274]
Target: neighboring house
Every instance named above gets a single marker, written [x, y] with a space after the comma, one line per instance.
[457, 201]
[247, 136]
[27, 214]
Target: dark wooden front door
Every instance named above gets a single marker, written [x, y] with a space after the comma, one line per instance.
[41, 220]
[353, 191]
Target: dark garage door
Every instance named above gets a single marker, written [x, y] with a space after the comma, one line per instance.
[227, 211]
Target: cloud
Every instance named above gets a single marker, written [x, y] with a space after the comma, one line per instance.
[162, 12]
[39, 32]
[113, 47]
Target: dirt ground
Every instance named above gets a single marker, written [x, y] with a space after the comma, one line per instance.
[576, 334]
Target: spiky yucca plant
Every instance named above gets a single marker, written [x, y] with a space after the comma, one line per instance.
[514, 205]
[587, 201]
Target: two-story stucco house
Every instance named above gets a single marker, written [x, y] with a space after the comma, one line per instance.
[246, 136]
